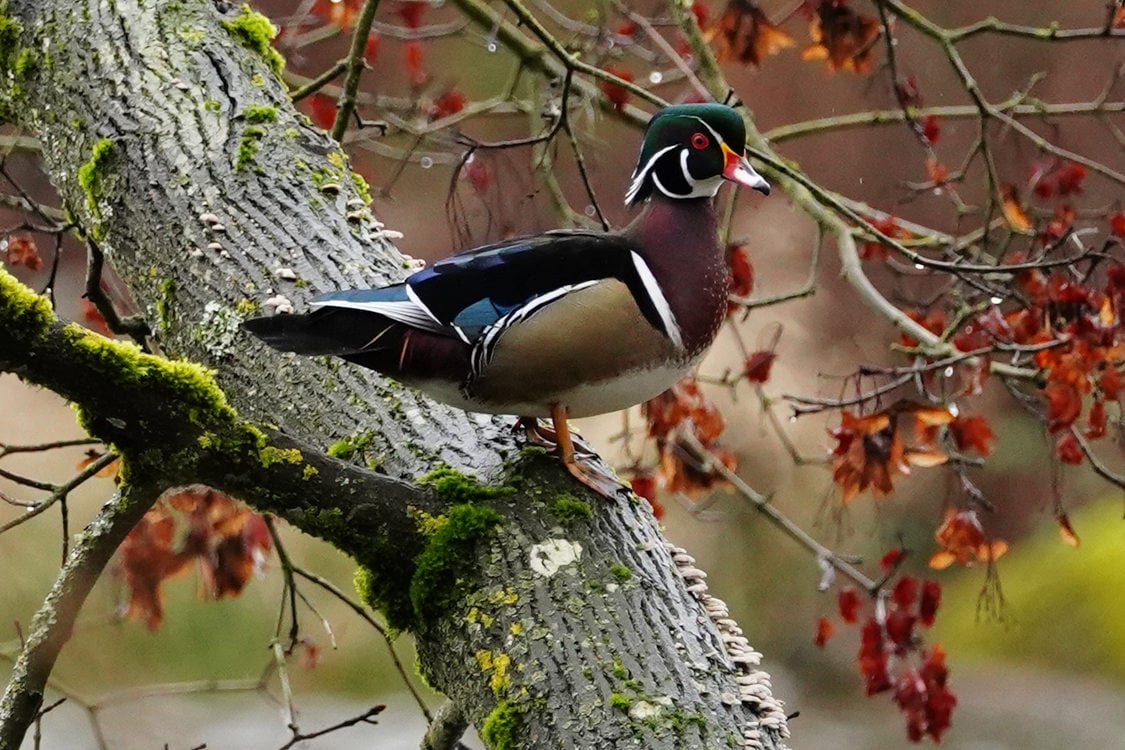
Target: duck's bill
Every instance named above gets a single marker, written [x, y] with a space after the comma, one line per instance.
[738, 170]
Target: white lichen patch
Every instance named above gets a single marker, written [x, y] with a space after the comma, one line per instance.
[642, 710]
[551, 555]
[218, 328]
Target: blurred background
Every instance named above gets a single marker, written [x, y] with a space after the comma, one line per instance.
[1048, 673]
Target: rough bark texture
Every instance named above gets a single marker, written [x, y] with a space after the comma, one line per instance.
[173, 144]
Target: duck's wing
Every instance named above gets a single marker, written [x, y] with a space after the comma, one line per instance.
[477, 294]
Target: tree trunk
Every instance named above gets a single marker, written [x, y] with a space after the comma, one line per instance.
[551, 617]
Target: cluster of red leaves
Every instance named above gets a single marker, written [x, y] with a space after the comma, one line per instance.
[1058, 178]
[1084, 322]
[875, 250]
[891, 653]
[961, 539]
[744, 34]
[225, 539]
[341, 13]
[870, 450]
[683, 407]
[844, 39]
[21, 250]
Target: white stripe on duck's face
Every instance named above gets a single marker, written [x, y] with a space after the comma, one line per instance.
[687, 152]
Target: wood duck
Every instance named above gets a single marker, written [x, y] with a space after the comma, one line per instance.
[565, 323]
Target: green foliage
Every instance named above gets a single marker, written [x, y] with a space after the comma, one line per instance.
[500, 729]
[255, 32]
[569, 509]
[439, 570]
[620, 572]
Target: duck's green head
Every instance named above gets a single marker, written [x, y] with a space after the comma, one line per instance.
[689, 149]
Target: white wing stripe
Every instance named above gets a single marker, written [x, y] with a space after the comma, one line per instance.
[413, 295]
[486, 344]
[403, 311]
[656, 295]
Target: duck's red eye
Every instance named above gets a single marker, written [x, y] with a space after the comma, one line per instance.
[700, 141]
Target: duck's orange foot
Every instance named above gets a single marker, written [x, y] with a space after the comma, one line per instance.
[577, 456]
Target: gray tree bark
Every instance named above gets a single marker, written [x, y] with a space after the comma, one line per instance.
[552, 618]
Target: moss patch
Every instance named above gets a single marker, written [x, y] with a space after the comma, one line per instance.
[255, 32]
[10, 32]
[259, 114]
[500, 729]
[620, 572]
[437, 583]
[25, 315]
[346, 449]
[456, 487]
[270, 456]
[249, 146]
[91, 177]
[568, 509]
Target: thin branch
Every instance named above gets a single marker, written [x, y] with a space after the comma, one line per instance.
[59, 492]
[355, 65]
[762, 504]
[54, 622]
[367, 717]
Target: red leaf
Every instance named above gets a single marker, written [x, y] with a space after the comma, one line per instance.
[824, 631]
[905, 592]
[891, 558]
[1068, 450]
[972, 433]
[1070, 177]
[411, 13]
[1117, 223]
[900, 628]
[617, 94]
[645, 485]
[743, 33]
[962, 539]
[1096, 420]
[929, 603]
[873, 658]
[848, 602]
[758, 365]
[741, 271]
[702, 15]
[1066, 530]
[1064, 404]
[842, 38]
[931, 128]
[414, 58]
[449, 102]
[478, 173]
[322, 110]
[21, 250]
